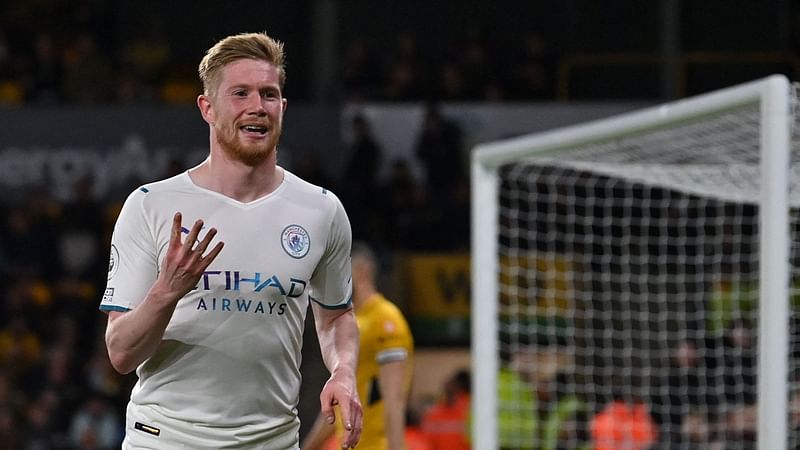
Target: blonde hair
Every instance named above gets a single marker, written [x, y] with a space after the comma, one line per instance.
[258, 46]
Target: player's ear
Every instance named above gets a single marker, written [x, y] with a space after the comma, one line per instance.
[206, 108]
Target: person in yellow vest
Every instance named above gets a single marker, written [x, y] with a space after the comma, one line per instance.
[384, 364]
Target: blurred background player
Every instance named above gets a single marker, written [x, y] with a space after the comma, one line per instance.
[384, 364]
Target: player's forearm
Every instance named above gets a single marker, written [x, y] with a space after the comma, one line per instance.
[132, 337]
[338, 338]
[391, 379]
[395, 424]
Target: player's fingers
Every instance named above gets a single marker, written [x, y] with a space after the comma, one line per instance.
[347, 419]
[188, 244]
[175, 236]
[326, 408]
[208, 259]
[351, 438]
[354, 434]
[203, 245]
[357, 425]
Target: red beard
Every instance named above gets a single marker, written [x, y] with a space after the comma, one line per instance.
[250, 153]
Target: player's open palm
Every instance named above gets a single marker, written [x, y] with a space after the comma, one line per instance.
[185, 261]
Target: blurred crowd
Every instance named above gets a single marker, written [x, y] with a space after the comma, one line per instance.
[63, 52]
[57, 387]
[399, 210]
[471, 70]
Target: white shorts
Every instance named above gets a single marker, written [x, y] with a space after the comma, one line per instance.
[146, 429]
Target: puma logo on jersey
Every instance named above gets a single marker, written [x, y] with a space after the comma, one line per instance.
[147, 428]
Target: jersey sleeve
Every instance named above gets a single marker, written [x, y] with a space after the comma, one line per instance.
[393, 338]
[331, 283]
[133, 263]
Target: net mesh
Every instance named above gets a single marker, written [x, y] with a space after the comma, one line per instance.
[629, 287]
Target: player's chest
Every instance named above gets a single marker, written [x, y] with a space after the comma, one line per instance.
[267, 252]
[277, 234]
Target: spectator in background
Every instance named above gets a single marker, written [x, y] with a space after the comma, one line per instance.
[739, 416]
[28, 243]
[450, 83]
[361, 77]
[740, 363]
[366, 156]
[517, 421]
[5, 56]
[405, 79]
[100, 375]
[20, 347]
[741, 425]
[561, 412]
[10, 428]
[57, 375]
[44, 422]
[44, 72]
[384, 363]
[360, 181]
[439, 149]
[397, 192]
[697, 433]
[442, 207]
[87, 73]
[416, 438]
[475, 67]
[456, 218]
[531, 72]
[80, 250]
[145, 59]
[686, 385]
[446, 423]
[624, 424]
[95, 426]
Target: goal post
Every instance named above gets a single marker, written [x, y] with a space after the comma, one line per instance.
[597, 248]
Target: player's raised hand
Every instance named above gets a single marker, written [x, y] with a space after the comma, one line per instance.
[341, 390]
[185, 261]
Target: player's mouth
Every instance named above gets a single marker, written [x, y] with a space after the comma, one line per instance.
[255, 130]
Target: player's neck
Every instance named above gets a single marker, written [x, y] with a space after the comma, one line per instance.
[237, 180]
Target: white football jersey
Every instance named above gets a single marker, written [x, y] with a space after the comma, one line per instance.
[226, 374]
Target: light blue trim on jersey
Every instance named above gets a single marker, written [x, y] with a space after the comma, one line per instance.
[344, 305]
[107, 308]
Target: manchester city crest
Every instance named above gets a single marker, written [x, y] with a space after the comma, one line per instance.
[295, 241]
[113, 262]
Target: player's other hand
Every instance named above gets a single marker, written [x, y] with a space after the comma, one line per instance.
[341, 390]
[185, 263]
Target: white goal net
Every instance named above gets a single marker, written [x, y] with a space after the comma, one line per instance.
[632, 279]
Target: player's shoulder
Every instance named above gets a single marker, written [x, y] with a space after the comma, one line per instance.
[386, 309]
[179, 182]
[162, 189]
[305, 191]
[388, 305]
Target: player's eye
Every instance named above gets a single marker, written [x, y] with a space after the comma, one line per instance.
[270, 94]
